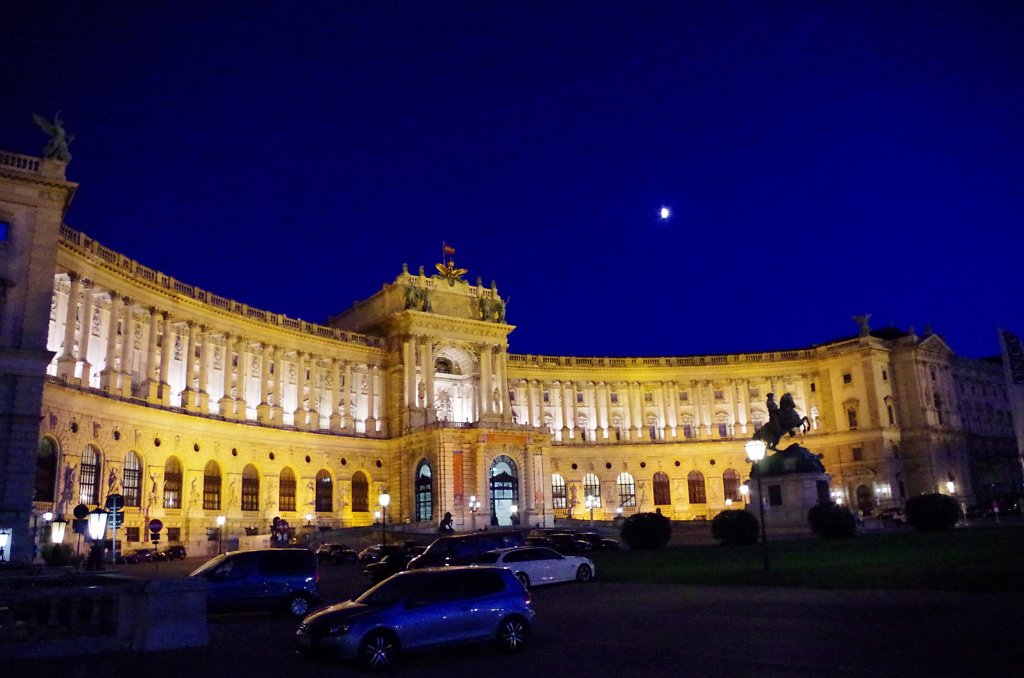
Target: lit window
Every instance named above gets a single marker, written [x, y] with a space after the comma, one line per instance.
[558, 496]
[698, 491]
[627, 490]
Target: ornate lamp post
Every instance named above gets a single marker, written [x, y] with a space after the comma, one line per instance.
[755, 450]
[384, 499]
[57, 528]
[514, 511]
[744, 492]
[220, 533]
[97, 527]
[474, 506]
[590, 503]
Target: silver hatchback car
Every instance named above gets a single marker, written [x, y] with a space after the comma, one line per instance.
[418, 609]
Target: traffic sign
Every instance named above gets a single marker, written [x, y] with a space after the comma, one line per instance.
[81, 511]
[155, 525]
[115, 502]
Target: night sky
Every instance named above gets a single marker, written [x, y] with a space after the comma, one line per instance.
[820, 159]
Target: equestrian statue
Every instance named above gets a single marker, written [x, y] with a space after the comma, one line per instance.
[782, 418]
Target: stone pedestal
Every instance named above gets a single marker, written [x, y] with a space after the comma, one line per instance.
[788, 499]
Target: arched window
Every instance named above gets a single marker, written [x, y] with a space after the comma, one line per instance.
[360, 493]
[592, 488]
[662, 490]
[172, 483]
[424, 492]
[324, 492]
[131, 488]
[250, 488]
[695, 483]
[731, 484]
[286, 490]
[443, 366]
[46, 471]
[88, 478]
[627, 490]
[211, 487]
[558, 498]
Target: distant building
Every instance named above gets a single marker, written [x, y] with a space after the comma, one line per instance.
[119, 378]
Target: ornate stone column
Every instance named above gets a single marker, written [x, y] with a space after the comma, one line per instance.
[299, 418]
[108, 375]
[371, 397]
[165, 360]
[337, 373]
[127, 344]
[189, 396]
[529, 402]
[346, 403]
[485, 380]
[263, 414]
[242, 349]
[205, 353]
[151, 382]
[277, 407]
[86, 333]
[226, 404]
[66, 361]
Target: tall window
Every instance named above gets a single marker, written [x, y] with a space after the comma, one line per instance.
[851, 415]
[324, 492]
[662, 490]
[46, 471]
[250, 488]
[89, 473]
[731, 484]
[424, 492]
[592, 488]
[286, 490]
[132, 483]
[698, 492]
[172, 484]
[211, 487]
[627, 490]
[558, 498]
[360, 493]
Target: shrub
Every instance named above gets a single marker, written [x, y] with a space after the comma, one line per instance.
[832, 520]
[646, 531]
[932, 512]
[57, 554]
[734, 527]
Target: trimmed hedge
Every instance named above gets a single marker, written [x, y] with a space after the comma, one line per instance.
[734, 526]
[646, 531]
[57, 555]
[932, 512]
[831, 520]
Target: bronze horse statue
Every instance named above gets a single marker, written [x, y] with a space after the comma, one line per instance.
[782, 418]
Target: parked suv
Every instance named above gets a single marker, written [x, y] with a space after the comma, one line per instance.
[275, 580]
[419, 609]
[461, 549]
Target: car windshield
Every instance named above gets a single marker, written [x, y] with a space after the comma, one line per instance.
[209, 565]
[392, 590]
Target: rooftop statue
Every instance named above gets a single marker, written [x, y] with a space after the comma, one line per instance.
[782, 418]
[57, 147]
[450, 273]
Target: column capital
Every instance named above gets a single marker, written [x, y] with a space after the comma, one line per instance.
[73, 276]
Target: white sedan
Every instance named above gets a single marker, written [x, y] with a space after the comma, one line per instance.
[537, 565]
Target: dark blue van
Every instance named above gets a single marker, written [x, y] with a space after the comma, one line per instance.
[280, 580]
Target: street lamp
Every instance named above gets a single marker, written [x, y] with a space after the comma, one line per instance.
[755, 450]
[57, 528]
[951, 486]
[384, 499]
[744, 492]
[474, 506]
[220, 533]
[514, 510]
[5, 538]
[97, 527]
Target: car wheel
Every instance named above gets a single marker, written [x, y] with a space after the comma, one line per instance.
[524, 578]
[584, 573]
[512, 634]
[298, 606]
[377, 651]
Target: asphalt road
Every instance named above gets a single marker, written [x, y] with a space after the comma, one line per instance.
[600, 629]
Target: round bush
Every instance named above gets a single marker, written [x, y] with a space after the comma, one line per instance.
[646, 531]
[932, 512]
[832, 520]
[735, 526]
[57, 554]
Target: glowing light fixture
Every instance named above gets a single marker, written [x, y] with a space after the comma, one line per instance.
[665, 213]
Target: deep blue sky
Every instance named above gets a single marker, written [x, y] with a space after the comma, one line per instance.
[821, 159]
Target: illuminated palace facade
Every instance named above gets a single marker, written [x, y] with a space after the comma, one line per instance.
[194, 406]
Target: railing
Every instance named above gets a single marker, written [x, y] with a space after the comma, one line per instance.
[80, 241]
[682, 361]
[22, 163]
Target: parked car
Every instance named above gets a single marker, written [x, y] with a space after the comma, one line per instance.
[893, 514]
[135, 556]
[598, 541]
[275, 580]
[461, 549]
[419, 609]
[172, 552]
[568, 543]
[336, 553]
[538, 565]
[391, 563]
[374, 552]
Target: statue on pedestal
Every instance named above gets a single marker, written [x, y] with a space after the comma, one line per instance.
[782, 418]
[57, 147]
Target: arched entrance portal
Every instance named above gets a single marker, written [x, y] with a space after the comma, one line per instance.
[504, 491]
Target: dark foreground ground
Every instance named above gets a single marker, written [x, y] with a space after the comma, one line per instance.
[603, 629]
